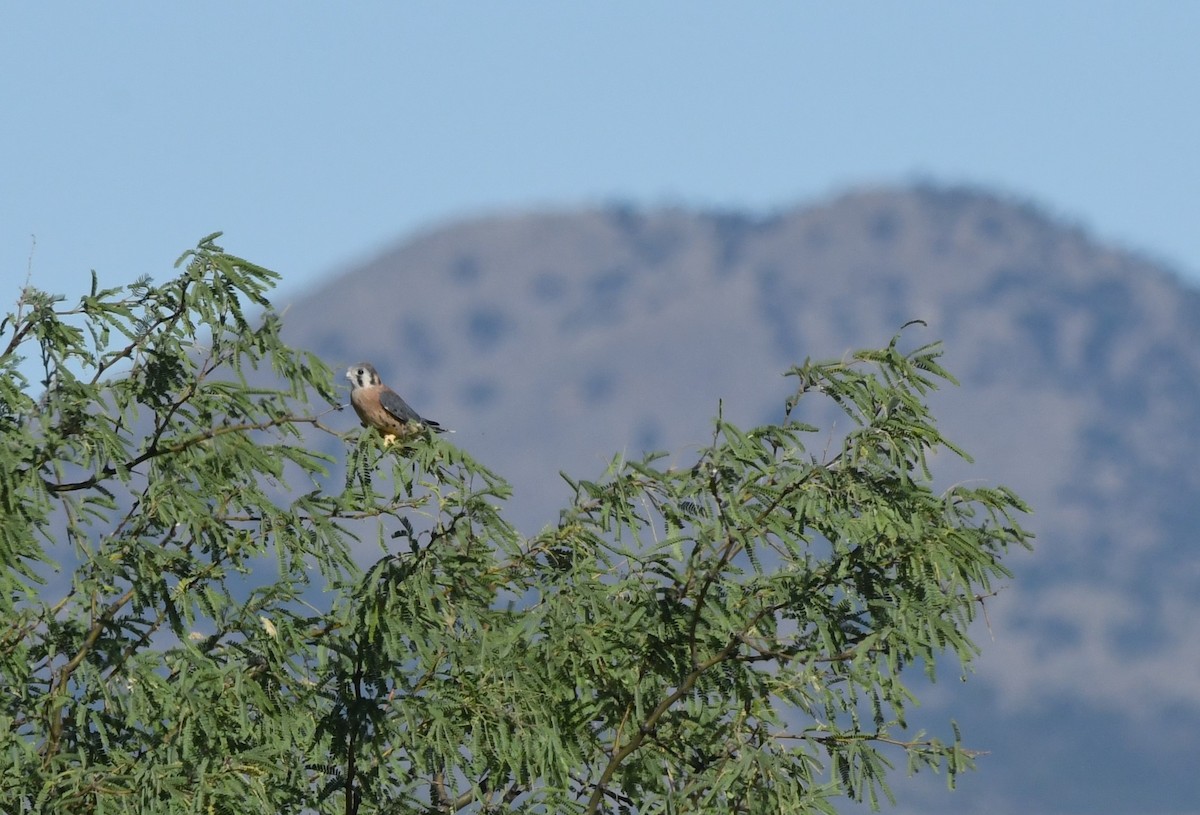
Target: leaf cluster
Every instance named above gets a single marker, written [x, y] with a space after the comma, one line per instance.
[193, 621]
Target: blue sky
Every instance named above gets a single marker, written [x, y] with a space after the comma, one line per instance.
[315, 135]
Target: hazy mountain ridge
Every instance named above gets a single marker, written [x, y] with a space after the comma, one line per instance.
[553, 340]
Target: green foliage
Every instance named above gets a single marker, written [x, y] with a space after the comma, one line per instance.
[192, 622]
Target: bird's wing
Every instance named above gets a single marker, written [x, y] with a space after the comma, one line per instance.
[394, 404]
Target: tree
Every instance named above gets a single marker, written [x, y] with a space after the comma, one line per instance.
[190, 622]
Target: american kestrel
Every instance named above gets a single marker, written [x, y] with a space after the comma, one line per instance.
[382, 408]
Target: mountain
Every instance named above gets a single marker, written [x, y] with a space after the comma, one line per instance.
[554, 340]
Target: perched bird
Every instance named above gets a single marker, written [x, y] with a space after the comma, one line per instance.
[382, 408]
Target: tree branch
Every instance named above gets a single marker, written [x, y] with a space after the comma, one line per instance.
[64, 675]
[619, 755]
[155, 451]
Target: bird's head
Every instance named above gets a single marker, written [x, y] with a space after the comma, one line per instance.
[362, 375]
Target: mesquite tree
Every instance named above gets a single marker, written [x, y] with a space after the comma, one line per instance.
[194, 615]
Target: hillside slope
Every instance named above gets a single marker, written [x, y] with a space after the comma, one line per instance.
[552, 341]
